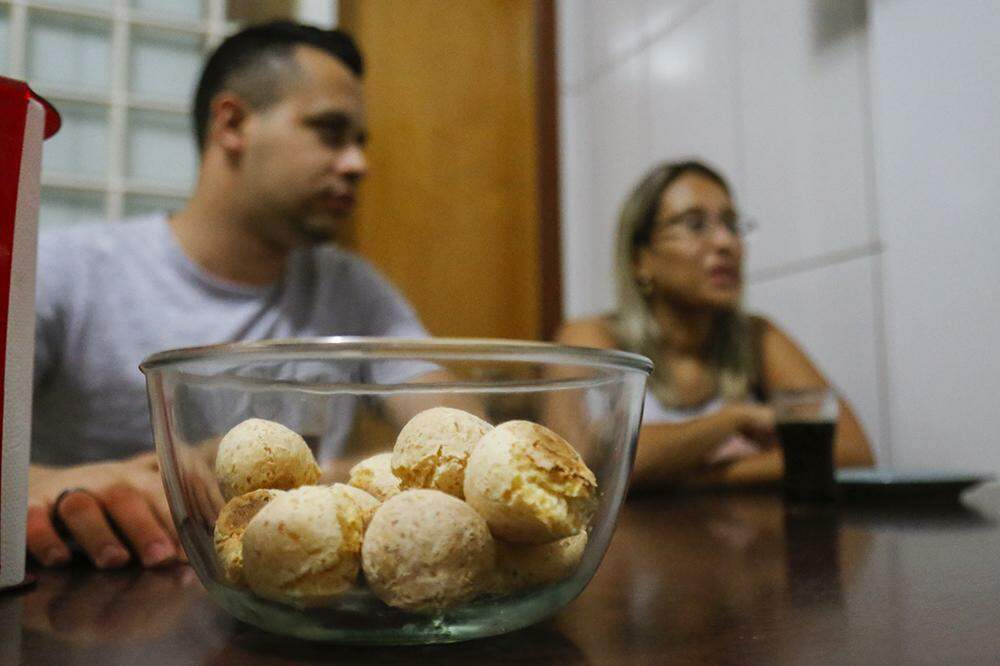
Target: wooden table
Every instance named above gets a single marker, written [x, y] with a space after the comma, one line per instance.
[738, 578]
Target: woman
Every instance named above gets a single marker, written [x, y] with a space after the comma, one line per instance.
[679, 271]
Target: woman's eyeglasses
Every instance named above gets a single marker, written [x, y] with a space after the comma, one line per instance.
[699, 224]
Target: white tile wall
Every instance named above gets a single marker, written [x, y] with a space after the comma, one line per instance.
[863, 137]
[831, 312]
[575, 166]
[804, 128]
[659, 16]
[594, 35]
[935, 82]
[572, 42]
[764, 91]
[617, 31]
[606, 131]
[693, 92]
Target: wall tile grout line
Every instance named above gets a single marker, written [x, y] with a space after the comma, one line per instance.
[825, 260]
[739, 118]
[607, 67]
[886, 446]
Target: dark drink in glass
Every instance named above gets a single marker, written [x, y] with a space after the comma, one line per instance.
[806, 422]
[807, 447]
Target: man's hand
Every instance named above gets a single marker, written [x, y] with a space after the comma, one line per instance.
[127, 494]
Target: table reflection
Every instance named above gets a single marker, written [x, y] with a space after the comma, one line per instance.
[542, 643]
[80, 605]
[715, 569]
[705, 578]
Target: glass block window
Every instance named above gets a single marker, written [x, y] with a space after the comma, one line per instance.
[160, 149]
[122, 74]
[138, 205]
[60, 206]
[106, 5]
[193, 10]
[4, 36]
[175, 57]
[71, 53]
[80, 149]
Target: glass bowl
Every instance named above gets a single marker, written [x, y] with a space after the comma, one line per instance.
[348, 399]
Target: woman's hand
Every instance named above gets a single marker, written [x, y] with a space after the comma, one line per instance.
[753, 433]
[755, 422]
[112, 505]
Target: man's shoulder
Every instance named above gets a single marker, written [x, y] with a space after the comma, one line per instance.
[88, 258]
[357, 285]
[342, 265]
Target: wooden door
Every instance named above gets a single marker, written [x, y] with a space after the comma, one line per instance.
[452, 209]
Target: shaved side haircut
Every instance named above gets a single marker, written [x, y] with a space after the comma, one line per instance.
[258, 64]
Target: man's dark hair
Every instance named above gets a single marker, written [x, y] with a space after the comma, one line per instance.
[258, 62]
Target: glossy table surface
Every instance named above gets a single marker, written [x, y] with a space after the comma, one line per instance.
[707, 578]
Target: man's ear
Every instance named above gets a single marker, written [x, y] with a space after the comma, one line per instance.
[228, 115]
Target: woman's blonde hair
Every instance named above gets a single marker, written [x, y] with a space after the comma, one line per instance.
[734, 344]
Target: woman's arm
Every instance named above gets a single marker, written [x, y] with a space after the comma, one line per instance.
[673, 453]
[670, 452]
[786, 367]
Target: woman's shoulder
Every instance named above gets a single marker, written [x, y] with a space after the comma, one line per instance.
[588, 332]
[784, 363]
[769, 338]
[759, 324]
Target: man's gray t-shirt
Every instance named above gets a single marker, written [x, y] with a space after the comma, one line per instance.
[109, 295]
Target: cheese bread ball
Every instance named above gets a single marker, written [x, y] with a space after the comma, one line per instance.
[374, 476]
[433, 447]
[304, 547]
[263, 454]
[229, 528]
[529, 484]
[365, 501]
[522, 566]
[427, 551]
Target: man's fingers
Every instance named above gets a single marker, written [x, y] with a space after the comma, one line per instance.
[158, 500]
[135, 518]
[152, 488]
[162, 510]
[84, 518]
[43, 542]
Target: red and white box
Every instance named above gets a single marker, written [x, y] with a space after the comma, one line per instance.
[25, 120]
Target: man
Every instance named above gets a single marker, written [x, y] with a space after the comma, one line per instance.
[279, 120]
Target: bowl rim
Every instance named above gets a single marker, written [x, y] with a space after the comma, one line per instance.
[431, 347]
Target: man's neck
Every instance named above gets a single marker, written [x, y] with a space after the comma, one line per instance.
[213, 230]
